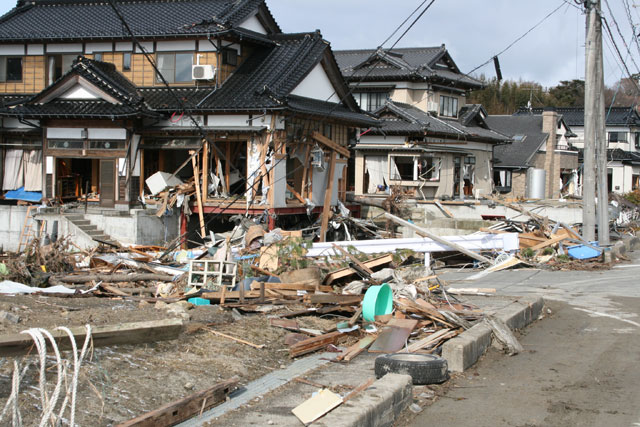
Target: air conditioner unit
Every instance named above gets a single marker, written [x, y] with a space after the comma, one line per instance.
[203, 72]
[432, 107]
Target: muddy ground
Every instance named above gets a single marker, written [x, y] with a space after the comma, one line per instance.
[122, 382]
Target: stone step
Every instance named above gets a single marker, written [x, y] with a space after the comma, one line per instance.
[81, 222]
[87, 228]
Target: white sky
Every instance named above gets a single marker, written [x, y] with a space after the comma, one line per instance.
[472, 30]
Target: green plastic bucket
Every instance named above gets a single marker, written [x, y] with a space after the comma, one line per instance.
[378, 301]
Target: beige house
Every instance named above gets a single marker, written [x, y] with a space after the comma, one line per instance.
[430, 142]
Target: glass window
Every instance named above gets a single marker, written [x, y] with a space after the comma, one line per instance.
[72, 144]
[414, 168]
[97, 56]
[637, 140]
[126, 61]
[448, 106]
[370, 101]
[175, 67]
[618, 137]
[229, 56]
[57, 65]
[10, 69]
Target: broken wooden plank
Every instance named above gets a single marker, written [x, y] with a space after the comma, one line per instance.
[423, 309]
[330, 144]
[102, 336]
[326, 208]
[431, 339]
[137, 277]
[346, 272]
[471, 291]
[299, 286]
[333, 299]
[183, 409]
[504, 336]
[353, 393]
[444, 210]
[316, 406]
[549, 242]
[313, 344]
[357, 348]
[355, 260]
[241, 341]
[196, 175]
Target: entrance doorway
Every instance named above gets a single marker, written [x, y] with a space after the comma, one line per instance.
[77, 178]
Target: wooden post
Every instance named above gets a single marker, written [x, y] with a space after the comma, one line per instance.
[305, 172]
[196, 176]
[205, 171]
[326, 208]
[227, 167]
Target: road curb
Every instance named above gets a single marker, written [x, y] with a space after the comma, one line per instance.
[376, 406]
[464, 351]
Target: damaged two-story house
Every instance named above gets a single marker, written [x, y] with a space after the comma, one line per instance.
[429, 143]
[99, 98]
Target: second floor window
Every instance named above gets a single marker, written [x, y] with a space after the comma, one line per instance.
[126, 61]
[175, 67]
[10, 69]
[618, 137]
[57, 65]
[448, 106]
[370, 101]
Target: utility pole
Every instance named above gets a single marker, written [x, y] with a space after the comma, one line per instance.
[602, 143]
[593, 48]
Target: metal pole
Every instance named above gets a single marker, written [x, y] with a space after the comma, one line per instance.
[602, 212]
[590, 120]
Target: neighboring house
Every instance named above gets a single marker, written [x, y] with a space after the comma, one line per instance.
[623, 136]
[429, 142]
[540, 142]
[85, 109]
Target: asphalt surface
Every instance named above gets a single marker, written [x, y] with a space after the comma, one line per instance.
[580, 364]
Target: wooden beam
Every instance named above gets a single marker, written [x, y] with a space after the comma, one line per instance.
[346, 272]
[313, 344]
[183, 409]
[205, 171]
[326, 208]
[438, 239]
[194, 163]
[295, 194]
[549, 242]
[317, 136]
[102, 336]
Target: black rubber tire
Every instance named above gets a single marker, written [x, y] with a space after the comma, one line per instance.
[423, 368]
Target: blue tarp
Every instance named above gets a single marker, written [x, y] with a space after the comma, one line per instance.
[583, 251]
[25, 196]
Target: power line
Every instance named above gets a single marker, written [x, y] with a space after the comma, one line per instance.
[606, 2]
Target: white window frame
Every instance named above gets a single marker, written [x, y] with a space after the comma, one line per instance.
[448, 106]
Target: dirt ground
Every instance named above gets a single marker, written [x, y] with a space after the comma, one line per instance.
[121, 382]
[576, 370]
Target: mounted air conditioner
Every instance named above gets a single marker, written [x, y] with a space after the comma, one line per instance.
[203, 72]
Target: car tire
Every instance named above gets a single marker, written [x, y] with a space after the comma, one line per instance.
[423, 368]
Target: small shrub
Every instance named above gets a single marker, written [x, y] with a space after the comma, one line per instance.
[548, 251]
[527, 252]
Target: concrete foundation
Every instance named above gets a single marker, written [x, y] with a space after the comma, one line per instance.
[137, 226]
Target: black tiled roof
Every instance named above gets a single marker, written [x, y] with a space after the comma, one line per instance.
[74, 109]
[519, 153]
[95, 19]
[263, 82]
[574, 116]
[403, 119]
[415, 64]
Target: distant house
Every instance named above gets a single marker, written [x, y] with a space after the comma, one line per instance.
[85, 111]
[540, 141]
[430, 142]
[623, 136]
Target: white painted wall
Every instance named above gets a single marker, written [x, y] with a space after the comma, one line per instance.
[35, 49]
[64, 48]
[316, 85]
[61, 133]
[79, 92]
[107, 133]
[176, 45]
[254, 24]
[98, 47]
[228, 120]
[12, 49]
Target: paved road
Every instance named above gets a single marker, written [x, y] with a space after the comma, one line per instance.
[581, 362]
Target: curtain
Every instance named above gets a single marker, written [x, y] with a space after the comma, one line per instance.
[32, 170]
[13, 170]
[376, 167]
